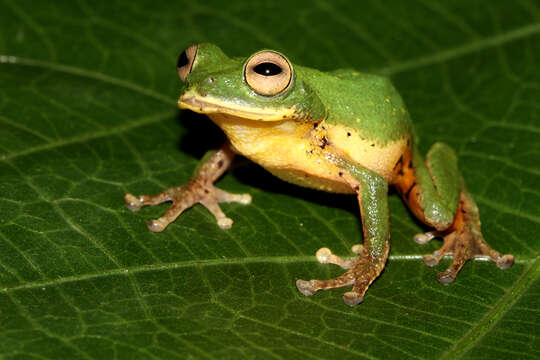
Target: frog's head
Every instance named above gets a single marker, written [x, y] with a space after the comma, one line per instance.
[263, 87]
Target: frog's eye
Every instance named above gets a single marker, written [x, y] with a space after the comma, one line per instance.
[185, 61]
[268, 73]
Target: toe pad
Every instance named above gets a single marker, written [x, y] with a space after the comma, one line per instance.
[352, 298]
[305, 287]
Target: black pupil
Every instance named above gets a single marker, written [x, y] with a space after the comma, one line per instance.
[182, 60]
[267, 69]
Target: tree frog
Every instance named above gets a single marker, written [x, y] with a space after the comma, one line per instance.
[341, 131]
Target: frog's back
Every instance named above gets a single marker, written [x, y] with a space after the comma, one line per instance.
[366, 102]
[366, 118]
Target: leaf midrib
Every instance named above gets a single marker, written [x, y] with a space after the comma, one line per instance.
[208, 262]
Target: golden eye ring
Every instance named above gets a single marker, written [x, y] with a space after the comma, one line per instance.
[268, 73]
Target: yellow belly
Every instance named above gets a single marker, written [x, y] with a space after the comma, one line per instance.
[289, 150]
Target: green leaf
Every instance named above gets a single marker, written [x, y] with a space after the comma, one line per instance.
[87, 113]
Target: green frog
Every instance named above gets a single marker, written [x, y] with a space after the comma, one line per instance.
[341, 131]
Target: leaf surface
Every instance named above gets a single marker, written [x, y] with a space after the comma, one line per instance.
[87, 113]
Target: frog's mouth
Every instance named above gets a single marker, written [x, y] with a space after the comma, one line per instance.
[209, 105]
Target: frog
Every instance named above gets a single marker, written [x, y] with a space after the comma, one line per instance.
[340, 131]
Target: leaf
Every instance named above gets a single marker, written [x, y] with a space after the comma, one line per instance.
[87, 108]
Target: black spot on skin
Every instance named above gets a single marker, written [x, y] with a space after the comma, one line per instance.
[372, 144]
[315, 125]
[324, 142]
[206, 191]
[220, 163]
[409, 190]
[340, 174]
[348, 134]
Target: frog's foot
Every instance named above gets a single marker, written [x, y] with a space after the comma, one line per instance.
[184, 197]
[360, 274]
[464, 241]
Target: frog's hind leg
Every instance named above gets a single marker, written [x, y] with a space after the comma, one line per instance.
[199, 189]
[372, 194]
[465, 241]
[436, 194]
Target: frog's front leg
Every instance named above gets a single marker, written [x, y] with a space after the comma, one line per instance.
[435, 192]
[199, 189]
[372, 193]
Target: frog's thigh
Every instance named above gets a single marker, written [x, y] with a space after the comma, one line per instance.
[434, 194]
